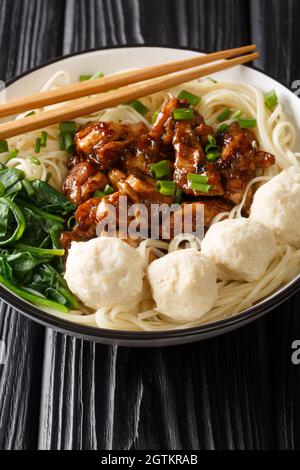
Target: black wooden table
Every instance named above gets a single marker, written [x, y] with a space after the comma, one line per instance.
[238, 391]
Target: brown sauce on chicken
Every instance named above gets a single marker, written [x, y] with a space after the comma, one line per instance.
[121, 154]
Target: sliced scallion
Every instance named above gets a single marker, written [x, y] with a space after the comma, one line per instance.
[223, 128]
[160, 169]
[224, 115]
[183, 114]
[97, 75]
[154, 117]
[271, 100]
[236, 114]
[31, 113]
[69, 144]
[213, 156]
[44, 138]
[12, 154]
[189, 97]
[246, 123]
[84, 78]
[139, 107]
[202, 188]
[194, 177]
[178, 195]
[167, 188]
[3, 146]
[37, 147]
[36, 161]
[28, 188]
[98, 193]
[108, 190]
[68, 127]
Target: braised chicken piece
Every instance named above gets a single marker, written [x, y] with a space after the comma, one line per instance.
[190, 158]
[115, 176]
[82, 181]
[86, 223]
[239, 160]
[141, 155]
[164, 122]
[146, 191]
[105, 143]
[189, 212]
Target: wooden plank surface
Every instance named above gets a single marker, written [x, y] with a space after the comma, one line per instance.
[238, 391]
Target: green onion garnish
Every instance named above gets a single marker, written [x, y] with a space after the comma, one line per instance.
[44, 138]
[108, 190]
[35, 160]
[84, 78]
[28, 188]
[236, 114]
[160, 169]
[167, 188]
[68, 127]
[2, 189]
[212, 146]
[194, 177]
[223, 128]
[178, 196]
[37, 147]
[213, 156]
[154, 117]
[31, 113]
[62, 145]
[97, 75]
[69, 145]
[98, 193]
[271, 99]
[247, 123]
[189, 97]
[183, 114]
[139, 107]
[3, 146]
[202, 188]
[224, 115]
[12, 154]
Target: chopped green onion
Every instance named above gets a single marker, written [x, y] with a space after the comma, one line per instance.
[160, 169]
[68, 127]
[213, 156]
[62, 145]
[31, 113]
[97, 75]
[139, 107]
[69, 144]
[247, 123]
[183, 114]
[189, 97]
[212, 146]
[2, 189]
[35, 160]
[98, 193]
[167, 188]
[37, 147]
[44, 138]
[3, 146]
[12, 154]
[84, 78]
[236, 114]
[178, 196]
[194, 177]
[202, 188]
[271, 99]
[28, 188]
[154, 117]
[224, 115]
[212, 79]
[223, 128]
[108, 190]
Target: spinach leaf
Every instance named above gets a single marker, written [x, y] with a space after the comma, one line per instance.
[10, 176]
[48, 199]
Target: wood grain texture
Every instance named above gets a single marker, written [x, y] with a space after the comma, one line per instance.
[238, 391]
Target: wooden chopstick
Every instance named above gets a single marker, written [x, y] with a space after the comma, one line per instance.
[90, 87]
[115, 97]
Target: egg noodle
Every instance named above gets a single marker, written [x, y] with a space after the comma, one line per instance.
[275, 134]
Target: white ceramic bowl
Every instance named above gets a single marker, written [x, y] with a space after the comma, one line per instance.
[110, 61]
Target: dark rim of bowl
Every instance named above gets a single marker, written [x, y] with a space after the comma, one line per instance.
[97, 333]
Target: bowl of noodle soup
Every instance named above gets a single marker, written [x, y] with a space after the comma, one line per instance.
[241, 88]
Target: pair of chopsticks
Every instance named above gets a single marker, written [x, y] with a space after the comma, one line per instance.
[121, 88]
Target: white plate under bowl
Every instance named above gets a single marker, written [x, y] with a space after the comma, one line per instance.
[110, 61]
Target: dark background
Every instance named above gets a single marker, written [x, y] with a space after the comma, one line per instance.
[238, 391]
